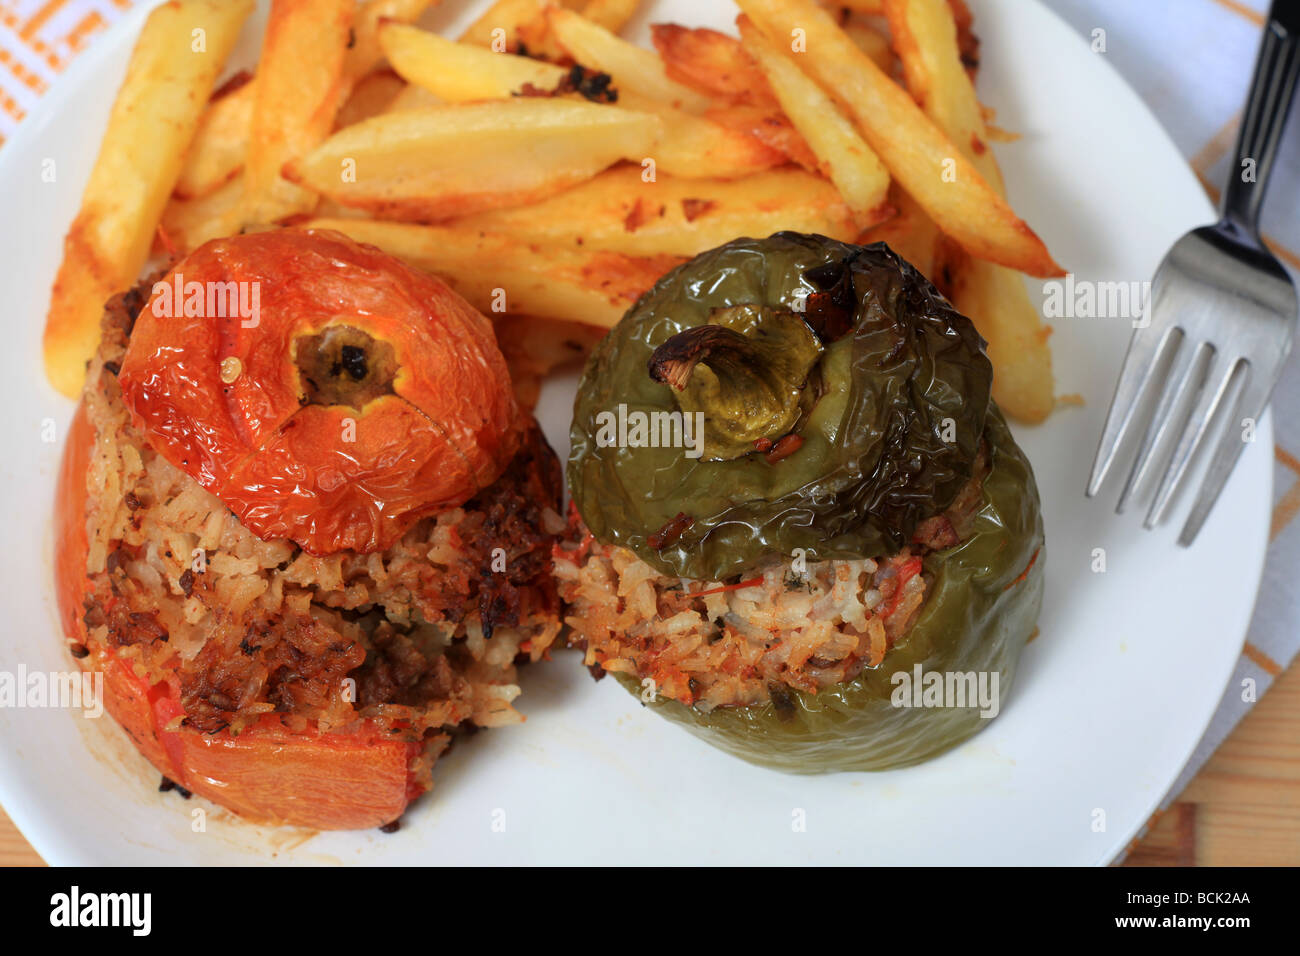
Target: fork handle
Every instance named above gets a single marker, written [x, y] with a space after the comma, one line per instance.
[1262, 123]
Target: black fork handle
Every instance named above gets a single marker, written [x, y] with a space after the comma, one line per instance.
[1271, 92]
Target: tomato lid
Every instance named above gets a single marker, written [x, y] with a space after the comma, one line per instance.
[324, 390]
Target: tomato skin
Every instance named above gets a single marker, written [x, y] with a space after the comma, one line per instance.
[224, 398]
[266, 774]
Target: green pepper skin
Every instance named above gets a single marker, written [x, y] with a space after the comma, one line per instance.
[980, 609]
[870, 467]
[891, 439]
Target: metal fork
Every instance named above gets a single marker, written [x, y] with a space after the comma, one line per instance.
[1222, 313]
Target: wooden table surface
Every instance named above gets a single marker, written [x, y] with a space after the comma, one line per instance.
[1242, 809]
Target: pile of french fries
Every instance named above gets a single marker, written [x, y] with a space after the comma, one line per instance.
[550, 170]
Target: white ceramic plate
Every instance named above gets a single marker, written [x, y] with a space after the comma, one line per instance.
[1112, 695]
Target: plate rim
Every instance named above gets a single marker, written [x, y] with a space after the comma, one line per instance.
[28, 818]
[1264, 431]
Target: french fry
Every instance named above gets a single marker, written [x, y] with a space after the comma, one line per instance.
[506, 16]
[542, 345]
[612, 15]
[634, 69]
[915, 151]
[216, 153]
[844, 157]
[925, 36]
[870, 7]
[460, 72]
[299, 87]
[770, 127]
[620, 212]
[712, 63]
[412, 97]
[457, 72]
[453, 160]
[372, 95]
[873, 43]
[497, 274]
[995, 298]
[153, 120]
[546, 344]
[534, 347]
[967, 42]
[221, 142]
[329, 209]
[698, 147]
[508, 24]
[909, 232]
[997, 302]
[188, 223]
[364, 53]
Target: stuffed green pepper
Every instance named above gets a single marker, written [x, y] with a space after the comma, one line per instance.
[800, 527]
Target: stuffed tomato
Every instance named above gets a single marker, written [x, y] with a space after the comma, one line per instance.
[304, 541]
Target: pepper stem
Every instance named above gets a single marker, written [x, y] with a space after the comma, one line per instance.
[746, 372]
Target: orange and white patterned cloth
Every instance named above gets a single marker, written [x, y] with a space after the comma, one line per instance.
[1190, 60]
[38, 38]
